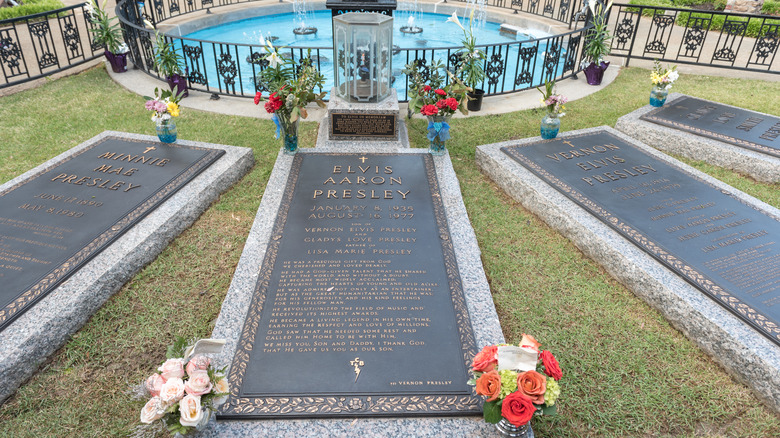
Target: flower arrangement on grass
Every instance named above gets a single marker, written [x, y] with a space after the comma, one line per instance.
[663, 77]
[436, 100]
[291, 85]
[164, 104]
[186, 390]
[553, 102]
[518, 382]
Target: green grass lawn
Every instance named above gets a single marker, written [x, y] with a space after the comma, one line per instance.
[627, 372]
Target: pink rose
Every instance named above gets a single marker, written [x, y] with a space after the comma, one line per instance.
[197, 362]
[152, 411]
[198, 383]
[221, 387]
[191, 412]
[172, 368]
[172, 391]
[154, 383]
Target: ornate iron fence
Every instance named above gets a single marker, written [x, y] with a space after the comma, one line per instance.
[707, 38]
[35, 46]
[230, 69]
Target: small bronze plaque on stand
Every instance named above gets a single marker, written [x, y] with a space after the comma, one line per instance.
[357, 125]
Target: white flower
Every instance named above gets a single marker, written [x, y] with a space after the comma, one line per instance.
[274, 60]
[673, 75]
[190, 409]
[669, 87]
[454, 19]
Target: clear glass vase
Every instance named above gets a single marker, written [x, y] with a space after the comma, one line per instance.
[289, 132]
[507, 429]
[438, 134]
[658, 95]
[550, 126]
[166, 130]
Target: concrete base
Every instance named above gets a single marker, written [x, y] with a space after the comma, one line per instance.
[47, 326]
[487, 329]
[746, 354]
[762, 167]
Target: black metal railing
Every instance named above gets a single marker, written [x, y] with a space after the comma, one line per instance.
[707, 38]
[39, 45]
[231, 69]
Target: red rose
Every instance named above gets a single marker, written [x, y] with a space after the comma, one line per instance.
[440, 92]
[258, 97]
[273, 104]
[440, 104]
[551, 367]
[452, 103]
[429, 110]
[517, 409]
[426, 88]
[486, 360]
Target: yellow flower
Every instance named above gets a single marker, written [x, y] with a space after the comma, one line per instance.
[173, 109]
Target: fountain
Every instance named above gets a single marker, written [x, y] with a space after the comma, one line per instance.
[410, 27]
[302, 12]
[480, 12]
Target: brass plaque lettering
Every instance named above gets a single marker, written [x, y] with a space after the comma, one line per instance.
[363, 125]
[359, 300]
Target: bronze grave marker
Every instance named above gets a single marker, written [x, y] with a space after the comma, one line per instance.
[55, 221]
[358, 309]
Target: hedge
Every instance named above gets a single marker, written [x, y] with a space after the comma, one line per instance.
[30, 7]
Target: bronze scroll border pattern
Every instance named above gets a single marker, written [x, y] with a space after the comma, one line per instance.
[702, 282]
[60, 273]
[373, 405]
[653, 117]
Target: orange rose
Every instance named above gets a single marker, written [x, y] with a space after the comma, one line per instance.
[489, 385]
[533, 385]
[486, 360]
[529, 341]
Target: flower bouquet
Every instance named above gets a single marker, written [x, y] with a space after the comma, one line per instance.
[551, 122]
[165, 106]
[292, 86]
[437, 102]
[186, 389]
[662, 79]
[517, 382]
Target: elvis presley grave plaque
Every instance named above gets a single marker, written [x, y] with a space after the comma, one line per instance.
[358, 309]
[55, 221]
[728, 250]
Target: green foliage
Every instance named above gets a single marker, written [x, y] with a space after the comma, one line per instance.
[753, 28]
[107, 31]
[470, 69]
[491, 411]
[597, 41]
[30, 7]
[176, 350]
[649, 12]
[167, 60]
[771, 7]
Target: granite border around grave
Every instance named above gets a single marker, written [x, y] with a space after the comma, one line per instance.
[28, 341]
[484, 318]
[762, 167]
[746, 354]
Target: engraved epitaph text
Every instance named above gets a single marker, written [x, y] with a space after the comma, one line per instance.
[55, 221]
[363, 125]
[741, 127]
[359, 308]
[724, 247]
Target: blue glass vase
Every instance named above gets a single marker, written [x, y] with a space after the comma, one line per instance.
[658, 95]
[166, 130]
[550, 126]
[438, 134]
[290, 136]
